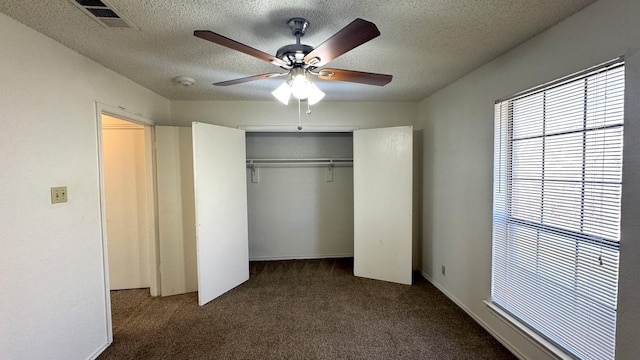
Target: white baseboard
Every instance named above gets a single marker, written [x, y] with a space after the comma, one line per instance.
[299, 257]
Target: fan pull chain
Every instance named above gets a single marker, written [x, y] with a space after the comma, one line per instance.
[299, 123]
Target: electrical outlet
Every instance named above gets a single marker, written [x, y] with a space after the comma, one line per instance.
[444, 270]
[58, 194]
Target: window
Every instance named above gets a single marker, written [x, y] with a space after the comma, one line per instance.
[556, 216]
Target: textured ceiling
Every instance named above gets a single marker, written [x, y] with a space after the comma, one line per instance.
[424, 44]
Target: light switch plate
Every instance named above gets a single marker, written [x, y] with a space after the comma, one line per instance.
[58, 194]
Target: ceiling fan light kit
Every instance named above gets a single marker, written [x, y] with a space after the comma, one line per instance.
[301, 88]
[303, 61]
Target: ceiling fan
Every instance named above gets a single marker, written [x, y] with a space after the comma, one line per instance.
[302, 61]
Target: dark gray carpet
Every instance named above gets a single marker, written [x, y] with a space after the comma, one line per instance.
[300, 309]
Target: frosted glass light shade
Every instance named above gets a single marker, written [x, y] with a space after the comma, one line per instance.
[282, 93]
[315, 94]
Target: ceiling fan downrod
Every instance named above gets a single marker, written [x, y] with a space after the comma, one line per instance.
[298, 26]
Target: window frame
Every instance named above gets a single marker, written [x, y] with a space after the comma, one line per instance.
[503, 185]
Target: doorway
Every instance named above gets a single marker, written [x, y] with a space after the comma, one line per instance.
[126, 203]
[128, 197]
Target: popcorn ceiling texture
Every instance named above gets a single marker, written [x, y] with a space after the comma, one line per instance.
[424, 44]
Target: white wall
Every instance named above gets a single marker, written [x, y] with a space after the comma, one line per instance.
[176, 210]
[234, 113]
[127, 204]
[52, 287]
[295, 212]
[458, 161]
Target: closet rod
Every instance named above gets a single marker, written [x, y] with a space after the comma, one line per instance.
[251, 163]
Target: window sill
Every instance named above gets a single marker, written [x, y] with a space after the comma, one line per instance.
[544, 344]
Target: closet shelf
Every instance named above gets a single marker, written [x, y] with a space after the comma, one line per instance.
[254, 163]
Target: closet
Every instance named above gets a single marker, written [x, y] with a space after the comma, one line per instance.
[300, 195]
[280, 196]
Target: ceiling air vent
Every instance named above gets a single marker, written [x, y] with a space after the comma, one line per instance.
[103, 13]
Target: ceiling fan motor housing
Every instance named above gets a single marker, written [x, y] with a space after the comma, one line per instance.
[294, 54]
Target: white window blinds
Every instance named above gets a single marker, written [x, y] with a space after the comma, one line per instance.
[556, 217]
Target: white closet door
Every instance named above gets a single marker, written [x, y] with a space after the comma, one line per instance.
[382, 190]
[220, 187]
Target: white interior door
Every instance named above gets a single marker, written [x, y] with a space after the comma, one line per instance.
[382, 190]
[220, 187]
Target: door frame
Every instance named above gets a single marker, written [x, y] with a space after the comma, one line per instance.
[154, 273]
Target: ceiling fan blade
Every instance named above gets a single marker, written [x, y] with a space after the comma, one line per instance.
[247, 79]
[232, 44]
[351, 36]
[355, 76]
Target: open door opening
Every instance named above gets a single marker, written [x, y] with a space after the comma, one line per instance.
[126, 170]
[128, 198]
[300, 195]
[304, 204]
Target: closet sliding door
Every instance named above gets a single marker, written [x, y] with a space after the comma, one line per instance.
[382, 187]
[221, 209]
